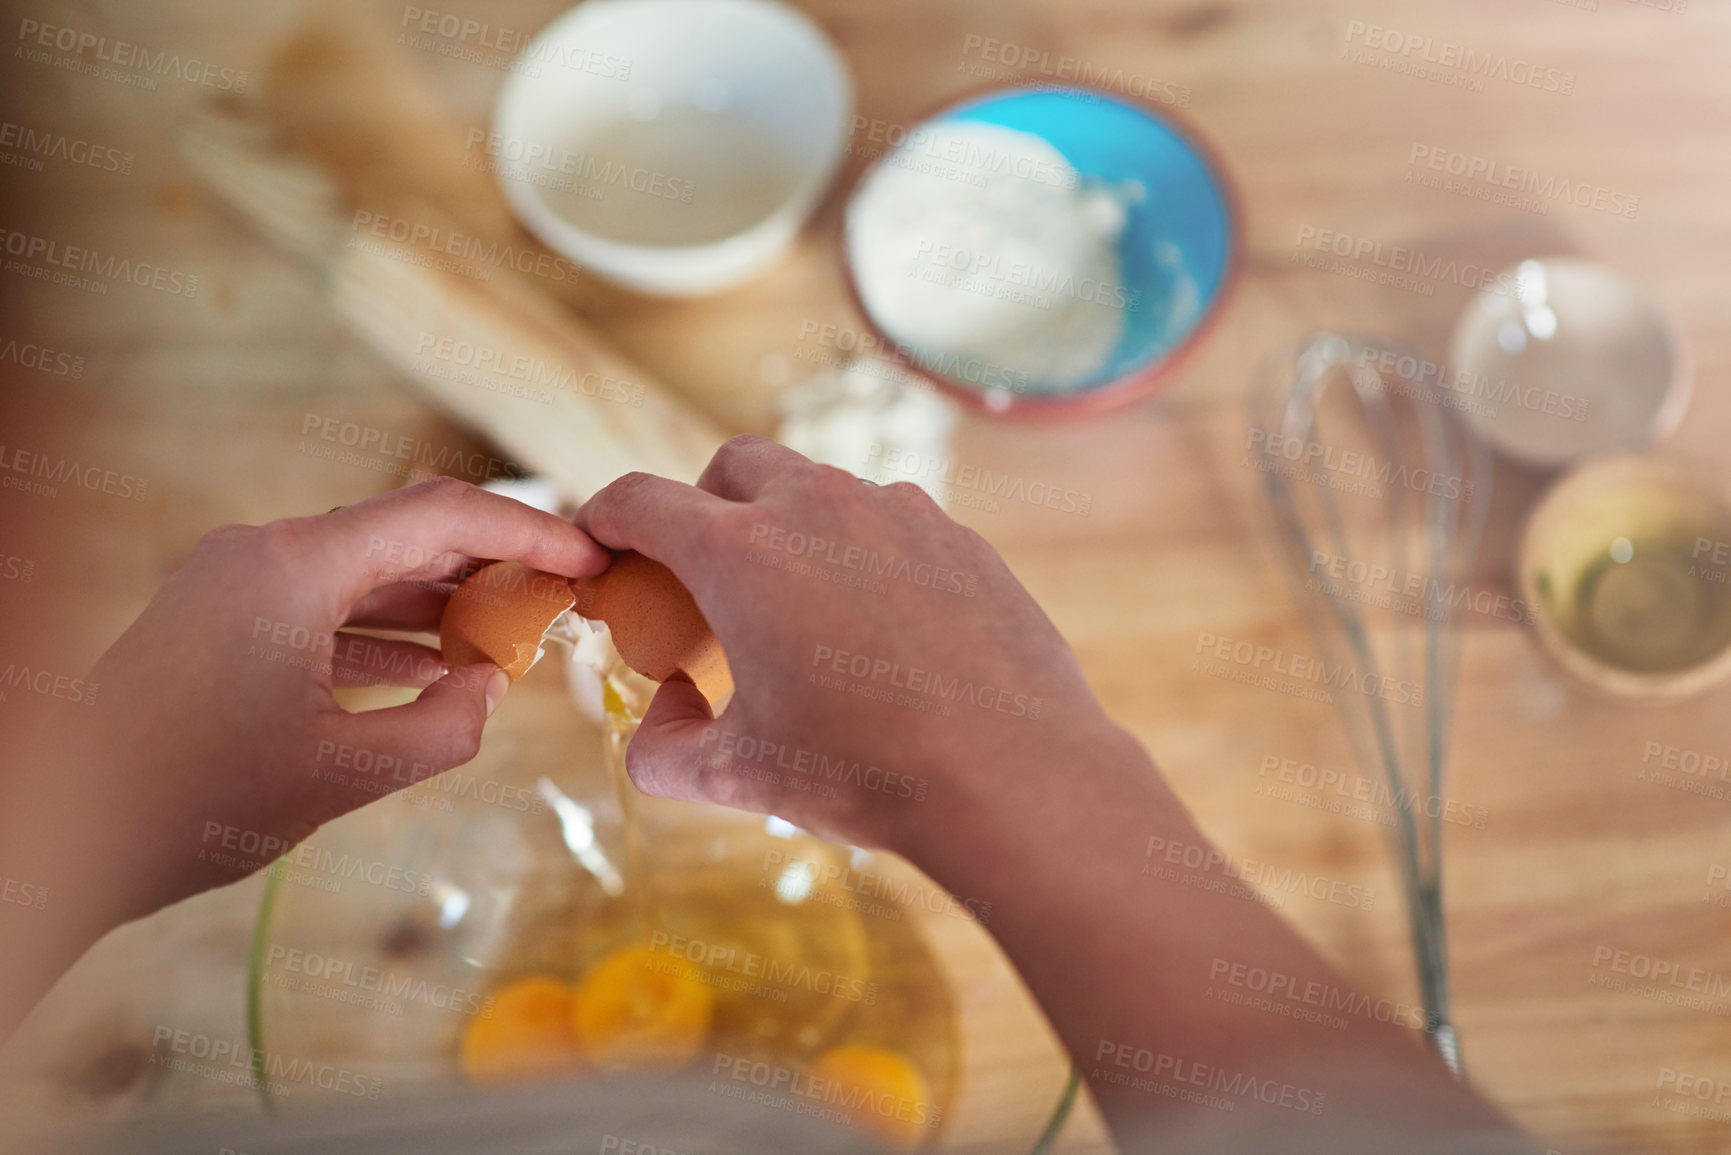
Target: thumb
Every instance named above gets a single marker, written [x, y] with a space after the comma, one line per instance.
[438, 730]
[662, 759]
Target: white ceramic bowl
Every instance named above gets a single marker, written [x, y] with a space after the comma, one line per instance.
[672, 146]
[1575, 360]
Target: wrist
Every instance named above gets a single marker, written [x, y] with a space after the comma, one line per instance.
[1016, 791]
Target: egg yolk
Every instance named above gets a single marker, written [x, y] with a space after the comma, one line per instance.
[883, 1093]
[636, 1011]
[525, 1033]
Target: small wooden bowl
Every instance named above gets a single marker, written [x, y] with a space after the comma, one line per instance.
[1602, 513]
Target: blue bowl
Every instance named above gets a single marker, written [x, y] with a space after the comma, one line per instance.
[1178, 251]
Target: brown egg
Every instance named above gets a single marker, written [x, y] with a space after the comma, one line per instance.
[499, 615]
[655, 623]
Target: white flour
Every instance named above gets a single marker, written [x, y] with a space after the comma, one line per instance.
[980, 249]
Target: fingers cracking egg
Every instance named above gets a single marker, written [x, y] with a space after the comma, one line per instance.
[500, 614]
[655, 623]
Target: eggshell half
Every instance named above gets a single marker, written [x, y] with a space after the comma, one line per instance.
[655, 623]
[499, 615]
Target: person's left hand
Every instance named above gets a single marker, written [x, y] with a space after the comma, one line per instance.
[215, 743]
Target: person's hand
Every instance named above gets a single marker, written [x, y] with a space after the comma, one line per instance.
[215, 743]
[868, 632]
[882, 654]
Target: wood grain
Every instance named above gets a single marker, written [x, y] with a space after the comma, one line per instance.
[1586, 847]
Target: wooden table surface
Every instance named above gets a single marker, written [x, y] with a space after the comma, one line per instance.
[1582, 852]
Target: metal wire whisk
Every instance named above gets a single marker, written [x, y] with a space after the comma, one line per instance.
[1391, 472]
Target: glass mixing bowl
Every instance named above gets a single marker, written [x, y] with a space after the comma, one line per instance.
[385, 937]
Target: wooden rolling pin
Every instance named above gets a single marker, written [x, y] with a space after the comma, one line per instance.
[452, 312]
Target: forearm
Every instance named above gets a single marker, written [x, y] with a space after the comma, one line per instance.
[41, 943]
[1120, 953]
[77, 830]
[56, 881]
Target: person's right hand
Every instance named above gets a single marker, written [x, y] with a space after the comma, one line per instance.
[1044, 816]
[883, 655]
